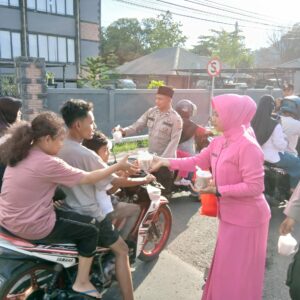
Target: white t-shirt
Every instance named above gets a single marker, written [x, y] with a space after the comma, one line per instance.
[276, 143]
[291, 128]
[104, 200]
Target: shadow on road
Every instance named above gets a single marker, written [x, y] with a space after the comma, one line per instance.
[142, 269]
[183, 208]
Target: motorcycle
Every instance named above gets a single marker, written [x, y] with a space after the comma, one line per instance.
[277, 184]
[38, 271]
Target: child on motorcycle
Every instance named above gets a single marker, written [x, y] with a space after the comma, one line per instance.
[33, 172]
[109, 203]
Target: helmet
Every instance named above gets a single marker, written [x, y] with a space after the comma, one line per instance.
[291, 106]
[186, 108]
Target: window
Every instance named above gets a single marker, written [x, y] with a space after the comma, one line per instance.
[16, 44]
[62, 49]
[69, 6]
[14, 2]
[33, 48]
[10, 44]
[9, 2]
[71, 50]
[52, 48]
[61, 7]
[43, 46]
[51, 6]
[31, 4]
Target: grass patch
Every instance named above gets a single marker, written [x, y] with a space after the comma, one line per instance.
[124, 147]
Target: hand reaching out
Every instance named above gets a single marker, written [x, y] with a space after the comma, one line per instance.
[149, 178]
[159, 162]
[127, 166]
[287, 226]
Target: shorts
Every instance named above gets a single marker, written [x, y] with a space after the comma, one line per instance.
[108, 234]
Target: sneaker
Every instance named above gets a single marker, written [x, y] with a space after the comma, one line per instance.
[182, 181]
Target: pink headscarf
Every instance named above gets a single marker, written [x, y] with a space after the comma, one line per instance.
[235, 111]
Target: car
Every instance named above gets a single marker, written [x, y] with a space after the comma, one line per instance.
[125, 84]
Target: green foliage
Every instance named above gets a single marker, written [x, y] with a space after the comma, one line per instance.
[8, 86]
[129, 146]
[50, 77]
[129, 39]
[97, 72]
[228, 46]
[155, 84]
[162, 32]
[123, 38]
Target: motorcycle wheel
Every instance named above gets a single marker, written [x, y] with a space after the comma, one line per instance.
[158, 234]
[23, 280]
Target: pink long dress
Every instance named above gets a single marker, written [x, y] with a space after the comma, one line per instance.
[236, 160]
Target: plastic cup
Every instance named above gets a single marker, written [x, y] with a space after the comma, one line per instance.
[117, 136]
[145, 160]
[202, 179]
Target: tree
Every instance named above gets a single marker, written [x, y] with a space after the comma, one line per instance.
[287, 44]
[124, 38]
[162, 32]
[229, 47]
[129, 39]
[96, 73]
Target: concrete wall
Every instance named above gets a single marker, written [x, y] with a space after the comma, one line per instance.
[113, 107]
[90, 11]
[50, 24]
[10, 19]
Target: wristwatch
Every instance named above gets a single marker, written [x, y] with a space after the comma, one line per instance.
[217, 193]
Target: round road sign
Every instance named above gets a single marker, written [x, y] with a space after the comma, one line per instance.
[214, 67]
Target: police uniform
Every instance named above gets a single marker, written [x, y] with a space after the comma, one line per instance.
[164, 130]
[164, 134]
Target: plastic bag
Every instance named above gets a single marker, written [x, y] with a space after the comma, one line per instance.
[287, 245]
[209, 205]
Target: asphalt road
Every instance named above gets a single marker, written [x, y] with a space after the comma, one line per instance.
[178, 273]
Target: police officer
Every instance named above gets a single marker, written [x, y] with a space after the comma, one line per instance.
[164, 126]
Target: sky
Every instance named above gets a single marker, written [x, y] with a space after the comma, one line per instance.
[278, 15]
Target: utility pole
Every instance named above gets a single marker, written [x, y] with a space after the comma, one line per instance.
[24, 38]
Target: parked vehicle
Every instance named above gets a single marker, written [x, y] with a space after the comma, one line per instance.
[36, 271]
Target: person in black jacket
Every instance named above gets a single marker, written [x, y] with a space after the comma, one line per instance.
[10, 112]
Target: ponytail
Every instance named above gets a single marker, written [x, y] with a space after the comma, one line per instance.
[23, 135]
[17, 145]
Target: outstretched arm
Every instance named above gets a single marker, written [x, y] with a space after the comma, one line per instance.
[97, 175]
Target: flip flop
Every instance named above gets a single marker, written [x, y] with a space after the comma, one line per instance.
[86, 293]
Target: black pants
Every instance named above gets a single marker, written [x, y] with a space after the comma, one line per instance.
[74, 228]
[166, 178]
[293, 277]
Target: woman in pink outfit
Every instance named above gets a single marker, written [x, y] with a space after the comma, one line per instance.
[236, 161]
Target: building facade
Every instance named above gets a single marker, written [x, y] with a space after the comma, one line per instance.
[64, 32]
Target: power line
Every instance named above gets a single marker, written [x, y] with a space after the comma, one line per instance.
[174, 13]
[219, 15]
[188, 16]
[232, 7]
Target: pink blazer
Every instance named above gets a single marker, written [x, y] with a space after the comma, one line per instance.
[236, 162]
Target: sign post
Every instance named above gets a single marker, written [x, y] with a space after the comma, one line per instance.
[213, 70]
